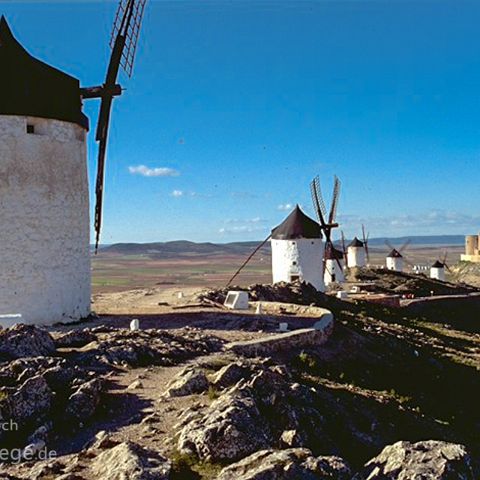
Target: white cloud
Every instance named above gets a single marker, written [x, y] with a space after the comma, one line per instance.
[243, 226]
[247, 221]
[435, 222]
[241, 229]
[285, 206]
[184, 193]
[153, 172]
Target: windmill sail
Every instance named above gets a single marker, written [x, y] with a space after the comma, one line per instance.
[124, 39]
[128, 21]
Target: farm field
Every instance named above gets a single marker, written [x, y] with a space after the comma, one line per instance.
[114, 272]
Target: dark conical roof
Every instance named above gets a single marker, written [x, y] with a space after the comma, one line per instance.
[438, 264]
[355, 243]
[331, 253]
[297, 225]
[29, 87]
[394, 254]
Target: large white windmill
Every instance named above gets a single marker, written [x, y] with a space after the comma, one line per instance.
[297, 250]
[45, 234]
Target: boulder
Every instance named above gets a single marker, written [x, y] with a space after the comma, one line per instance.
[230, 429]
[290, 464]
[229, 375]
[188, 381]
[128, 461]
[25, 341]
[30, 402]
[431, 459]
[83, 402]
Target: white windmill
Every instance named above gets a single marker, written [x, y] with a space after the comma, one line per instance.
[395, 260]
[437, 270]
[334, 265]
[44, 194]
[297, 250]
[357, 251]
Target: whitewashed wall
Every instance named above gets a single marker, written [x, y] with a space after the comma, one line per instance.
[395, 264]
[44, 227]
[333, 272]
[437, 273]
[355, 257]
[301, 257]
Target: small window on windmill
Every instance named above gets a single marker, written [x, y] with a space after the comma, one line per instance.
[294, 262]
[294, 278]
[30, 128]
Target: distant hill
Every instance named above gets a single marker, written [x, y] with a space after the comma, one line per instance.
[181, 248]
[184, 248]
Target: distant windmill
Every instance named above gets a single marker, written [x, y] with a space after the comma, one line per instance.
[396, 258]
[437, 270]
[357, 251]
[327, 223]
[123, 42]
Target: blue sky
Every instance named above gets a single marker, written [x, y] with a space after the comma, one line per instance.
[235, 105]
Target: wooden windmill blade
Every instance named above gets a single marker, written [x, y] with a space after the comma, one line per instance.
[321, 202]
[128, 21]
[365, 243]
[388, 244]
[124, 40]
[335, 198]
[444, 261]
[317, 204]
[343, 245]
[405, 245]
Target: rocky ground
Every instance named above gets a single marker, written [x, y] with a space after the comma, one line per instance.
[466, 272]
[389, 396]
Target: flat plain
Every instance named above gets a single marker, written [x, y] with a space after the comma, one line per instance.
[116, 272]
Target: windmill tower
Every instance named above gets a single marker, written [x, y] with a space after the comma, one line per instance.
[357, 251]
[43, 178]
[356, 254]
[334, 264]
[437, 270]
[297, 250]
[395, 260]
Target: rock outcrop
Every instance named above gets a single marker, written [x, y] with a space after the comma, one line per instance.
[145, 347]
[290, 464]
[75, 338]
[231, 429]
[252, 415]
[430, 459]
[83, 402]
[128, 461]
[188, 381]
[22, 341]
